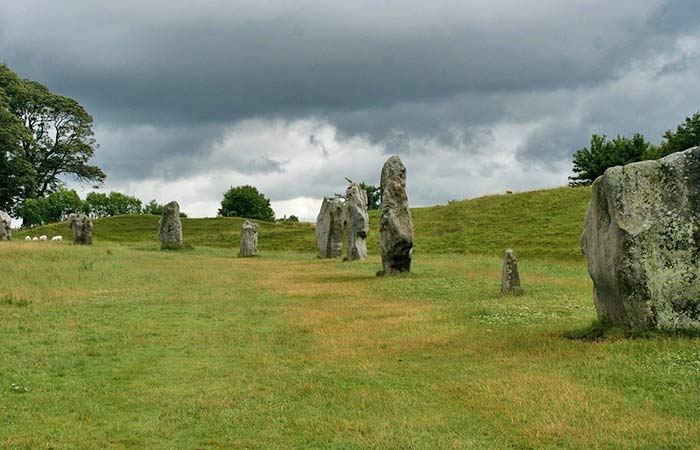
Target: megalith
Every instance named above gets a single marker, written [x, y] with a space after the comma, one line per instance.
[249, 239]
[329, 228]
[356, 221]
[82, 227]
[641, 238]
[170, 227]
[510, 282]
[395, 223]
[5, 227]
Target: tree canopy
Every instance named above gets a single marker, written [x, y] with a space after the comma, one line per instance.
[246, 201]
[591, 162]
[43, 136]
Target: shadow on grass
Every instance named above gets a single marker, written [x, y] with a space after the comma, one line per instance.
[600, 331]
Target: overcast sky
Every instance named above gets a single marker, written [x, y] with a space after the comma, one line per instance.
[476, 96]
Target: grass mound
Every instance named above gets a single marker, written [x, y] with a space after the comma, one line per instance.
[545, 223]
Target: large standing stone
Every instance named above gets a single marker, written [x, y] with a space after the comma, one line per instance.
[356, 221]
[396, 224]
[329, 228]
[249, 239]
[82, 227]
[170, 227]
[5, 227]
[510, 283]
[641, 238]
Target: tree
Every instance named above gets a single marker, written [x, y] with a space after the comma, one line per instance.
[374, 195]
[53, 208]
[590, 163]
[246, 201]
[687, 135]
[16, 174]
[119, 204]
[50, 136]
[153, 207]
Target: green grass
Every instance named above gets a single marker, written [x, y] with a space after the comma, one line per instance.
[545, 223]
[129, 347]
[126, 346]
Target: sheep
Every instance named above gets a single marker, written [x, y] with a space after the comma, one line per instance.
[43, 237]
[28, 238]
[57, 238]
[35, 238]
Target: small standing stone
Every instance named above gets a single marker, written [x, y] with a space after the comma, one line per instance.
[356, 221]
[510, 284]
[396, 224]
[249, 239]
[5, 227]
[170, 227]
[329, 228]
[82, 228]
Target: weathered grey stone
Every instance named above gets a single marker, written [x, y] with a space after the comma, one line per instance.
[170, 227]
[329, 228]
[249, 239]
[356, 221]
[642, 241]
[82, 227]
[5, 227]
[396, 224]
[510, 283]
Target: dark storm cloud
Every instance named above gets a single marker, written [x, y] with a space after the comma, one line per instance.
[166, 80]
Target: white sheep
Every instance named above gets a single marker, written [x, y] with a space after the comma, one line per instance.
[43, 237]
[35, 238]
[28, 238]
[57, 238]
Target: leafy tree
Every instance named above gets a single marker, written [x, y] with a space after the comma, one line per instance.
[49, 137]
[246, 201]
[16, 174]
[153, 207]
[291, 219]
[591, 162]
[97, 204]
[687, 135]
[53, 208]
[119, 204]
[374, 195]
[114, 204]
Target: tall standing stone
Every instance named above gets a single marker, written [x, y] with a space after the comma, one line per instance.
[82, 228]
[396, 224]
[510, 283]
[329, 228]
[170, 227]
[249, 239]
[5, 226]
[356, 221]
[641, 239]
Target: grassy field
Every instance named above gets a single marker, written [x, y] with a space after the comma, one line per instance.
[546, 223]
[124, 346]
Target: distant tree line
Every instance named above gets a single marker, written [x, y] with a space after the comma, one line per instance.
[592, 161]
[56, 206]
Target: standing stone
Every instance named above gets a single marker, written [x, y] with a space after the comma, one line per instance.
[641, 238]
[356, 221]
[170, 227]
[5, 227]
[510, 283]
[82, 227]
[396, 224]
[249, 239]
[329, 228]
